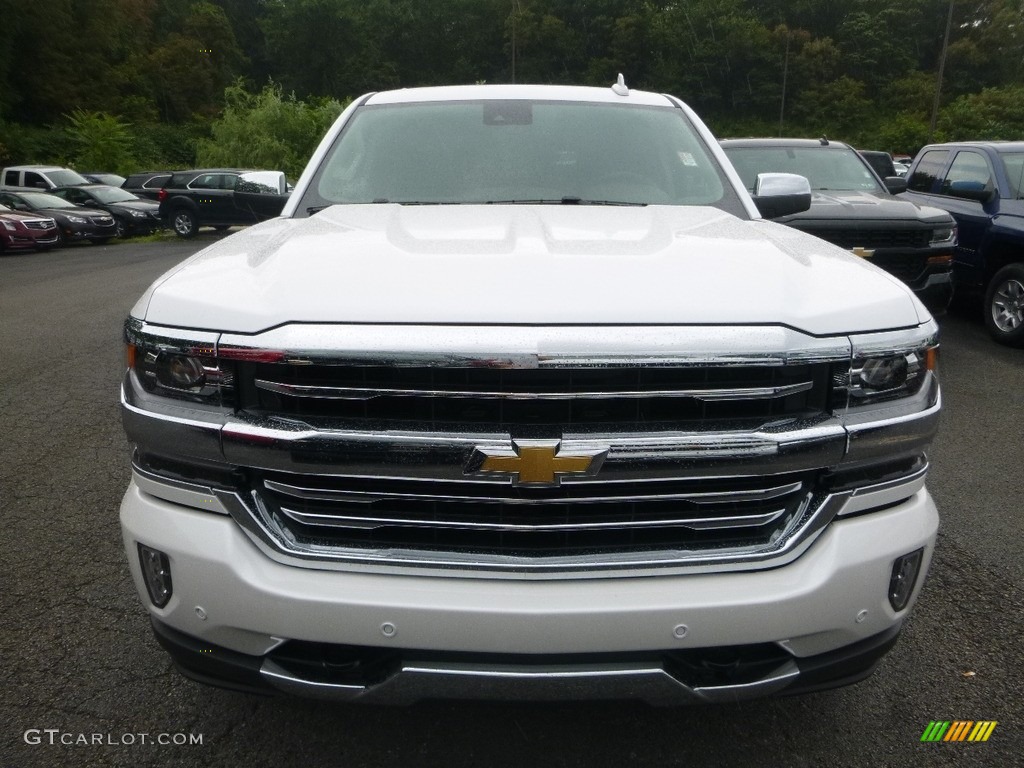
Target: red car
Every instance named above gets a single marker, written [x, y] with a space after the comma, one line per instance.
[23, 231]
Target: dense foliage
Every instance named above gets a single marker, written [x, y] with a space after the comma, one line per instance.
[122, 84]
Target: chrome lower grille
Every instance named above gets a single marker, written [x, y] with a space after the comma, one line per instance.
[505, 521]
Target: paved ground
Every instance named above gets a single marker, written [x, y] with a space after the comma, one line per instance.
[77, 661]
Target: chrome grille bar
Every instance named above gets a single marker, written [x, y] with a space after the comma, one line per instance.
[696, 524]
[364, 393]
[351, 496]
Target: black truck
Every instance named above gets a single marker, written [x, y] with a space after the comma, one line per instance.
[851, 206]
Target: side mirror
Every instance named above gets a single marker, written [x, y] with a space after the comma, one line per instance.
[781, 194]
[971, 190]
[895, 184]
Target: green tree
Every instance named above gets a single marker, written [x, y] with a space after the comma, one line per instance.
[267, 130]
[99, 141]
[992, 115]
[189, 70]
[836, 109]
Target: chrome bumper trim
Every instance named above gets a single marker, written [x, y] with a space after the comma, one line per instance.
[415, 681]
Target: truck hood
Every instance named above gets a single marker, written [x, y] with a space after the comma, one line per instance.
[527, 264]
[861, 206]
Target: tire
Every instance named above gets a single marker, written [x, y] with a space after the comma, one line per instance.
[184, 223]
[120, 229]
[1004, 306]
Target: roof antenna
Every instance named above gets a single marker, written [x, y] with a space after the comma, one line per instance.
[620, 89]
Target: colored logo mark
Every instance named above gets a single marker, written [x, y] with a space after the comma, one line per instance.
[959, 730]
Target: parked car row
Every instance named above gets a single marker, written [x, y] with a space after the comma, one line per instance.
[80, 208]
[143, 202]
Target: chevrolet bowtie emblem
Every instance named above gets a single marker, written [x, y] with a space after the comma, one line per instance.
[535, 462]
[864, 253]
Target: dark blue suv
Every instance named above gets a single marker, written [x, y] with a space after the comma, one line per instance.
[982, 185]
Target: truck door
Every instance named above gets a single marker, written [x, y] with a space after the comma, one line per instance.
[972, 199]
[260, 195]
[214, 197]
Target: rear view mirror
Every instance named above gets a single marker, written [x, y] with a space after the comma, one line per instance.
[895, 184]
[262, 183]
[971, 190]
[781, 194]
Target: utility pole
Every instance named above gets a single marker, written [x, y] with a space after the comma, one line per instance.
[516, 9]
[785, 73]
[942, 68]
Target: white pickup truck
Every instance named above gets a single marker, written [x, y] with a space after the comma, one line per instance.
[45, 177]
[521, 398]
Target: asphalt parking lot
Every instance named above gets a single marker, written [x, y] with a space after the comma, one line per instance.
[83, 683]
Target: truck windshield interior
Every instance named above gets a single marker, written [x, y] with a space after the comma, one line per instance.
[837, 169]
[534, 152]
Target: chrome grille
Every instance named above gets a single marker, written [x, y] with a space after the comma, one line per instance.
[492, 519]
[511, 399]
[364, 445]
[43, 224]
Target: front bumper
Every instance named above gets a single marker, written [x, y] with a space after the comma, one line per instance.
[142, 226]
[819, 621]
[935, 290]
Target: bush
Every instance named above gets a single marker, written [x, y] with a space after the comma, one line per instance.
[267, 130]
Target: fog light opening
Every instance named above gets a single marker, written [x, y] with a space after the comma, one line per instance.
[156, 572]
[904, 578]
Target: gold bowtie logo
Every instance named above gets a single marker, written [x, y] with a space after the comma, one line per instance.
[864, 253]
[535, 462]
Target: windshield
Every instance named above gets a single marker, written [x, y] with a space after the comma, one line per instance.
[1014, 162]
[836, 169]
[44, 200]
[505, 151]
[113, 195]
[66, 178]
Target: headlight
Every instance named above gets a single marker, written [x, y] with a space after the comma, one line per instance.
[9, 226]
[884, 377]
[169, 365]
[137, 214]
[77, 220]
[944, 236]
[886, 367]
